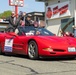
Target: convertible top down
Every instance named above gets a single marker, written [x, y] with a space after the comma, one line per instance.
[36, 42]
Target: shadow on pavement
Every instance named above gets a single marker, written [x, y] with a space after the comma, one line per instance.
[42, 58]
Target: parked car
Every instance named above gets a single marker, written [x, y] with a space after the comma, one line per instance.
[36, 42]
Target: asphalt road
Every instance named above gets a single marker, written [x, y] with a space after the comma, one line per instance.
[19, 65]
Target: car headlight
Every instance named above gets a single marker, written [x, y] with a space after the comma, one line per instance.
[48, 49]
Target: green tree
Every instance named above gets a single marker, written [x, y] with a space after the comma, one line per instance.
[5, 14]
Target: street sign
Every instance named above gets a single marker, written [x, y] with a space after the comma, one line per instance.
[19, 3]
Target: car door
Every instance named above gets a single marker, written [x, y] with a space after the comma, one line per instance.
[20, 45]
[15, 44]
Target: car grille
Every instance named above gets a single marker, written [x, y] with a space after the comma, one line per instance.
[58, 50]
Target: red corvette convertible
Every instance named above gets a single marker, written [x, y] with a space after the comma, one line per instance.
[36, 42]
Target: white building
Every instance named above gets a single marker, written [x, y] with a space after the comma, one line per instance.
[60, 15]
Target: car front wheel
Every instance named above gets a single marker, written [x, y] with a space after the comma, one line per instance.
[0, 52]
[33, 50]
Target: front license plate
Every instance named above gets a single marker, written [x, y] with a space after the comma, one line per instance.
[71, 49]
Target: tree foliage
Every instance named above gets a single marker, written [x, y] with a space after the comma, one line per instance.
[5, 14]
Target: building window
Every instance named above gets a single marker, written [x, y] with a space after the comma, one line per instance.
[46, 4]
[59, 1]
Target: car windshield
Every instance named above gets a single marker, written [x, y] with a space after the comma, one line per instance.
[35, 31]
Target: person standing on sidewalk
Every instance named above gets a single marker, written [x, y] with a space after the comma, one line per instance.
[74, 30]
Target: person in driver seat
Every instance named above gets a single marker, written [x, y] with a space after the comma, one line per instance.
[28, 20]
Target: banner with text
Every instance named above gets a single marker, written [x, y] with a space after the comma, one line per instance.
[58, 10]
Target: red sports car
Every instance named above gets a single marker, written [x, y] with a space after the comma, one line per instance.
[36, 42]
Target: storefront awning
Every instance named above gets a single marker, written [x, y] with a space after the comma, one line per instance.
[41, 0]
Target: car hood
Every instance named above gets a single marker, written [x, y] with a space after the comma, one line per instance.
[58, 41]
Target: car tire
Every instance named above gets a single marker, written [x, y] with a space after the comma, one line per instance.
[33, 50]
[0, 50]
[72, 58]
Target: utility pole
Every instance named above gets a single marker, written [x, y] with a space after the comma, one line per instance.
[16, 10]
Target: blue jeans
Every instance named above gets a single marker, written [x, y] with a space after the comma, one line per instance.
[75, 33]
